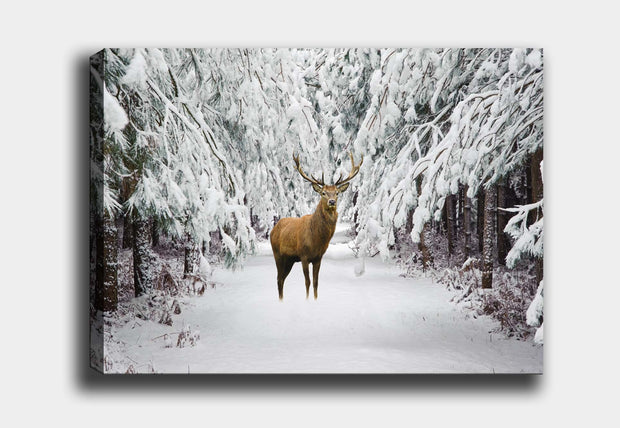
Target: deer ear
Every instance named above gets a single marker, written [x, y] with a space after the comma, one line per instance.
[317, 188]
[343, 187]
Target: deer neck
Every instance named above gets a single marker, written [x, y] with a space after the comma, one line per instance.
[324, 220]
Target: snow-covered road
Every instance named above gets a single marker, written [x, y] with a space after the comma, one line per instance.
[378, 322]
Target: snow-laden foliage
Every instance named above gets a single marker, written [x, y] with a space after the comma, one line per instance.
[115, 120]
[492, 130]
[210, 134]
[414, 98]
[528, 239]
[535, 310]
[534, 315]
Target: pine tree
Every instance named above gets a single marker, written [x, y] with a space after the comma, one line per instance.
[142, 269]
[490, 207]
[450, 223]
[537, 196]
[109, 287]
[190, 256]
[199, 146]
[480, 219]
[502, 220]
[467, 223]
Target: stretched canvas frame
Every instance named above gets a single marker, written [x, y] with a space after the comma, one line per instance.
[375, 312]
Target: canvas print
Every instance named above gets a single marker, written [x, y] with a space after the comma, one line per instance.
[316, 210]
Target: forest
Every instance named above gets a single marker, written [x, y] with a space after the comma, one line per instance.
[192, 166]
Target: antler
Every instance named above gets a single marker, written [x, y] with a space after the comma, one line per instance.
[311, 179]
[354, 170]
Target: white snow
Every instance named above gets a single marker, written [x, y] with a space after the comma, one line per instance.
[115, 116]
[539, 337]
[535, 310]
[376, 323]
[136, 72]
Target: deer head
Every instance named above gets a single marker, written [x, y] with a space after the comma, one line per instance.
[329, 192]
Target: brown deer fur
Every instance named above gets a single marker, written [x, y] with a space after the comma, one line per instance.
[306, 239]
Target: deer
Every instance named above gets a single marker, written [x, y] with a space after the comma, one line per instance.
[305, 239]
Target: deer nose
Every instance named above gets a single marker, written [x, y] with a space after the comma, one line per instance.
[331, 202]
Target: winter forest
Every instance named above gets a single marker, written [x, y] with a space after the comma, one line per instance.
[436, 263]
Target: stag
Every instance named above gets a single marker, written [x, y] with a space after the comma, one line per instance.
[306, 239]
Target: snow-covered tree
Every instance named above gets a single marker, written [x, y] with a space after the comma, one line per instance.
[200, 143]
[492, 130]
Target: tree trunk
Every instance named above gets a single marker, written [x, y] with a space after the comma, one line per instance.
[154, 232]
[537, 195]
[127, 232]
[537, 183]
[191, 256]
[502, 219]
[106, 292]
[426, 254]
[99, 262]
[409, 223]
[128, 184]
[422, 247]
[355, 212]
[215, 240]
[480, 219]
[490, 206]
[450, 223]
[142, 276]
[110, 245]
[528, 180]
[467, 222]
[460, 210]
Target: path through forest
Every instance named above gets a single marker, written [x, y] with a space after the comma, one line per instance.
[377, 322]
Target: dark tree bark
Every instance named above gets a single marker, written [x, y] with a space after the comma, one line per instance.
[103, 231]
[503, 244]
[191, 256]
[355, 212]
[106, 295]
[450, 222]
[467, 222]
[409, 223]
[99, 261]
[460, 212]
[537, 184]
[537, 195]
[127, 232]
[443, 224]
[154, 232]
[490, 206]
[528, 181]
[128, 185]
[110, 247]
[427, 258]
[480, 219]
[142, 276]
[215, 241]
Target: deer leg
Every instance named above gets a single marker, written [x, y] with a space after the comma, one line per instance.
[304, 265]
[315, 277]
[280, 280]
[286, 267]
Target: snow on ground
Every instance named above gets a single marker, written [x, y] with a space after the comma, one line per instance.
[375, 323]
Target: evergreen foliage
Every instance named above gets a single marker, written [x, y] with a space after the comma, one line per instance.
[200, 142]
